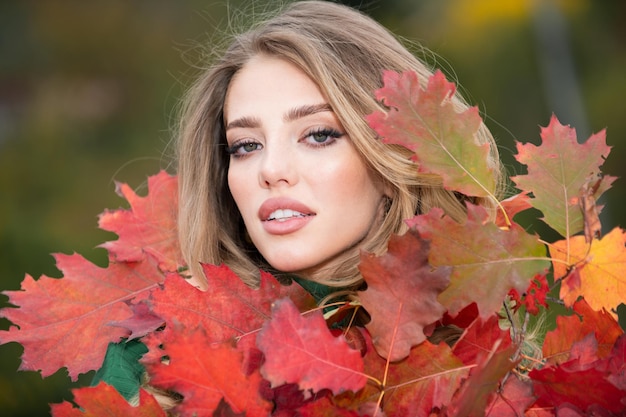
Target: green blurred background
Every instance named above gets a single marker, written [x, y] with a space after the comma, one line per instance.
[88, 91]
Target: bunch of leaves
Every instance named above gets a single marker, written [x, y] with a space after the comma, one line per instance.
[449, 304]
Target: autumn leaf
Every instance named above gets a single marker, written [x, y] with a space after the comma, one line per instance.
[426, 121]
[69, 322]
[104, 400]
[557, 170]
[512, 206]
[573, 328]
[401, 295]
[487, 262]
[478, 340]
[479, 389]
[512, 399]
[426, 380]
[204, 372]
[228, 309]
[534, 296]
[149, 226]
[600, 267]
[570, 382]
[302, 350]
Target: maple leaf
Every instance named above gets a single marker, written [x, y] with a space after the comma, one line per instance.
[227, 309]
[69, 322]
[487, 261]
[401, 295]
[303, 351]
[600, 266]
[104, 400]
[427, 122]
[149, 226]
[573, 328]
[204, 372]
[557, 170]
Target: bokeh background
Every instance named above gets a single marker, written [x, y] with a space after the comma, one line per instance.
[88, 92]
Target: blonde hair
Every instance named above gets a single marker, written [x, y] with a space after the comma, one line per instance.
[344, 52]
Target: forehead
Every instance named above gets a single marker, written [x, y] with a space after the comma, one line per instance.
[267, 82]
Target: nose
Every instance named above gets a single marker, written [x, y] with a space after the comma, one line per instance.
[277, 166]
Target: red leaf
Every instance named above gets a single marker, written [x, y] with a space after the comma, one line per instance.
[104, 400]
[427, 122]
[227, 309]
[557, 170]
[487, 261]
[204, 372]
[301, 350]
[570, 329]
[512, 399]
[425, 381]
[479, 389]
[479, 339]
[69, 322]
[401, 295]
[149, 226]
[585, 388]
[535, 295]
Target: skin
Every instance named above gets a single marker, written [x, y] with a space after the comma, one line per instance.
[304, 193]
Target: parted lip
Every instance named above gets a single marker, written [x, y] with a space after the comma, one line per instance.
[282, 203]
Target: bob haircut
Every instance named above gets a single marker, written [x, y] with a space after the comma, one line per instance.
[345, 53]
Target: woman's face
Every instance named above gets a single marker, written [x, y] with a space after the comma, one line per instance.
[304, 193]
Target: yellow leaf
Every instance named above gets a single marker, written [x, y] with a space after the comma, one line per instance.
[600, 270]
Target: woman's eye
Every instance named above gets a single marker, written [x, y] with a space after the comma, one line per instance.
[323, 136]
[243, 148]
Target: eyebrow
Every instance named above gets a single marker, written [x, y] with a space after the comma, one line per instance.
[293, 114]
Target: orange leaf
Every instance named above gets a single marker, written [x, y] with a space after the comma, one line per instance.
[600, 266]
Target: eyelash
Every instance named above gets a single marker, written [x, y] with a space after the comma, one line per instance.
[332, 134]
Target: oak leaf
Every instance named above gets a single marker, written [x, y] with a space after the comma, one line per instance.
[416, 386]
[484, 380]
[600, 267]
[302, 350]
[228, 309]
[487, 262]
[512, 206]
[557, 170]
[149, 226]
[401, 295]
[426, 121]
[69, 322]
[575, 327]
[104, 400]
[204, 372]
[478, 340]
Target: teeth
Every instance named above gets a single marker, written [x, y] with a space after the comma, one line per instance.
[282, 215]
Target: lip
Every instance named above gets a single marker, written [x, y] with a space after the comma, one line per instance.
[284, 226]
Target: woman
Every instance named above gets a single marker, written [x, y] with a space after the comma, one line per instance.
[278, 168]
